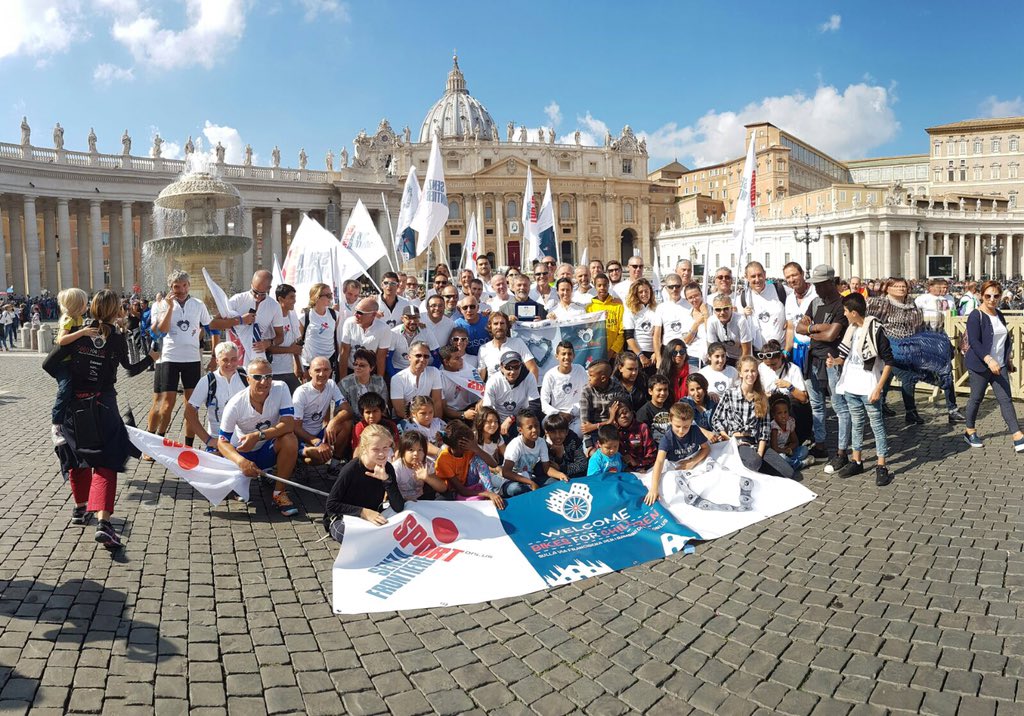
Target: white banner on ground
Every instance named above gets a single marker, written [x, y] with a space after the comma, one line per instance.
[361, 246]
[211, 475]
[310, 258]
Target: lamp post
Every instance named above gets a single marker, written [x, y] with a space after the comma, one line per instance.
[993, 251]
[807, 238]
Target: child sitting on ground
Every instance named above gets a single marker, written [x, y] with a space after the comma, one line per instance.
[635, 445]
[654, 413]
[527, 465]
[784, 440]
[487, 426]
[422, 420]
[415, 480]
[683, 447]
[606, 458]
[721, 376]
[465, 465]
[371, 407]
[362, 484]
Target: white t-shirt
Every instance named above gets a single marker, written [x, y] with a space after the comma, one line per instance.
[642, 323]
[854, 379]
[400, 345]
[374, 338]
[583, 297]
[621, 289]
[268, 316]
[790, 373]
[181, 344]
[489, 356]
[440, 330]
[547, 301]
[560, 393]
[524, 458]
[241, 418]
[735, 331]
[404, 385]
[565, 313]
[795, 310]
[720, 381]
[283, 363]
[496, 303]
[506, 399]
[321, 336]
[393, 316]
[935, 309]
[999, 334]
[312, 405]
[429, 432]
[768, 321]
[225, 390]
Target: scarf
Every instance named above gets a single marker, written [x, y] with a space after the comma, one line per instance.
[866, 346]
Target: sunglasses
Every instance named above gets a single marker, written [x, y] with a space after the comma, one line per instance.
[673, 286]
[390, 283]
[766, 355]
[723, 309]
[259, 294]
[326, 295]
[548, 263]
[449, 298]
[470, 307]
[539, 275]
[260, 377]
[364, 313]
[640, 266]
[615, 268]
[423, 356]
[459, 339]
[513, 366]
[724, 277]
[991, 295]
[678, 353]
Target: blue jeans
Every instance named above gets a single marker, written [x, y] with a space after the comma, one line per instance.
[908, 384]
[63, 376]
[816, 392]
[10, 334]
[797, 458]
[514, 489]
[861, 408]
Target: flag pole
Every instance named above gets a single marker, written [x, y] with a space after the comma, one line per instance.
[390, 229]
[264, 473]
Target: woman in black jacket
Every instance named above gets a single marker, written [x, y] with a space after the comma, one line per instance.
[97, 445]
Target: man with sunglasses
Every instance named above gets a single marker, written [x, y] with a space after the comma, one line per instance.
[363, 330]
[613, 270]
[391, 304]
[440, 281]
[723, 284]
[635, 266]
[474, 323]
[724, 328]
[257, 431]
[450, 295]
[762, 307]
[436, 322]
[541, 292]
[257, 308]
[410, 331]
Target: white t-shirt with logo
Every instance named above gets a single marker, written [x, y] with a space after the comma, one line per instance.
[224, 391]
[393, 316]
[404, 385]
[584, 297]
[642, 324]
[441, 330]
[935, 309]
[312, 405]
[321, 336]
[768, 321]
[268, 316]
[719, 382]
[796, 308]
[374, 338]
[489, 356]
[181, 344]
[524, 457]
[506, 399]
[400, 345]
[241, 418]
[790, 373]
[284, 363]
[560, 393]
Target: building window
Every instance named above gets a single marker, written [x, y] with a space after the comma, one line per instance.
[513, 209]
[937, 148]
[488, 212]
[453, 211]
[487, 162]
[1013, 200]
[963, 170]
[997, 145]
[963, 147]
[627, 166]
[842, 196]
[593, 211]
[533, 162]
[568, 252]
[593, 167]
[938, 175]
[949, 148]
[565, 165]
[785, 258]
[627, 212]
[1014, 144]
[949, 172]
[451, 164]
[565, 211]
[978, 174]
[977, 146]
[995, 172]
[767, 261]
[1012, 172]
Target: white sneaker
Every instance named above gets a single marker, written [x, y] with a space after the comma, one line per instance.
[57, 435]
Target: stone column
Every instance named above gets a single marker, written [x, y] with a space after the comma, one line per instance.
[945, 243]
[500, 253]
[914, 254]
[612, 249]
[50, 249]
[127, 245]
[249, 257]
[479, 225]
[96, 244]
[82, 229]
[961, 257]
[857, 269]
[17, 249]
[886, 268]
[3, 254]
[979, 263]
[837, 254]
[67, 274]
[114, 249]
[275, 239]
[32, 247]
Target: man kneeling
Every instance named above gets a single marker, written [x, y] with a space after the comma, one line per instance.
[257, 430]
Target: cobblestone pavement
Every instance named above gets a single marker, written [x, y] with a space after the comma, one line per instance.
[864, 601]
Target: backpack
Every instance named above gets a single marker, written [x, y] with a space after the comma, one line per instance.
[780, 293]
[211, 385]
[305, 318]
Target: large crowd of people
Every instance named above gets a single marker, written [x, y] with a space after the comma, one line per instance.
[412, 395]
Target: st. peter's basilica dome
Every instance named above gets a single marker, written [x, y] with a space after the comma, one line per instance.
[458, 113]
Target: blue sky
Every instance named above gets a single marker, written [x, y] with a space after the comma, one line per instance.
[855, 79]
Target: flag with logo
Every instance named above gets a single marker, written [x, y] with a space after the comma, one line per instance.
[311, 256]
[743, 223]
[546, 225]
[432, 210]
[531, 212]
[587, 333]
[242, 336]
[471, 249]
[361, 246]
[468, 379]
[405, 236]
[213, 476]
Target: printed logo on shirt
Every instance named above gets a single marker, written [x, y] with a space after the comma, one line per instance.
[720, 386]
[183, 325]
[645, 326]
[676, 326]
[567, 387]
[317, 416]
[510, 405]
[764, 317]
[263, 425]
[391, 322]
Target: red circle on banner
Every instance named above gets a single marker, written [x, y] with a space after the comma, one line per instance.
[445, 530]
[187, 459]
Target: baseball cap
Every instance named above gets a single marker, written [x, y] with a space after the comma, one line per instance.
[411, 310]
[822, 273]
[510, 357]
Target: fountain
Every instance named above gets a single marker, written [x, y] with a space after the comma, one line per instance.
[190, 222]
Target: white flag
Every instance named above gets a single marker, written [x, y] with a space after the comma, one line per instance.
[583, 257]
[361, 246]
[432, 212]
[213, 476]
[468, 379]
[276, 276]
[531, 240]
[310, 257]
[743, 224]
[547, 241]
[405, 236]
[241, 335]
[472, 246]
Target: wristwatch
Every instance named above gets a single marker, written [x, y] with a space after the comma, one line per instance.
[263, 435]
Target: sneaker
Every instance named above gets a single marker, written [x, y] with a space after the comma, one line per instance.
[888, 412]
[57, 435]
[974, 441]
[850, 469]
[955, 416]
[1018, 445]
[80, 516]
[107, 537]
[913, 418]
[808, 461]
[882, 475]
[284, 504]
[819, 452]
[836, 463]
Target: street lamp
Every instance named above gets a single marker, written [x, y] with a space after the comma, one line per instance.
[807, 239]
[993, 250]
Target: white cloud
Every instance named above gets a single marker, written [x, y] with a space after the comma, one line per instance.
[995, 107]
[554, 113]
[39, 27]
[168, 150]
[331, 8]
[107, 74]
[228, 136]
[832, 24]
[215, 26]
[592, 132]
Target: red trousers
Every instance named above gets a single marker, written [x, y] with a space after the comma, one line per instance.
[97, 486]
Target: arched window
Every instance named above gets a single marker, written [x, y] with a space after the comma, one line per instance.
[997, 144]
[565, 211]
[627, 212]
[513, 209]
[453, 211]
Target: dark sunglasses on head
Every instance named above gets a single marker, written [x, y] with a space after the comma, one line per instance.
[260, 377]
[766, 355]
